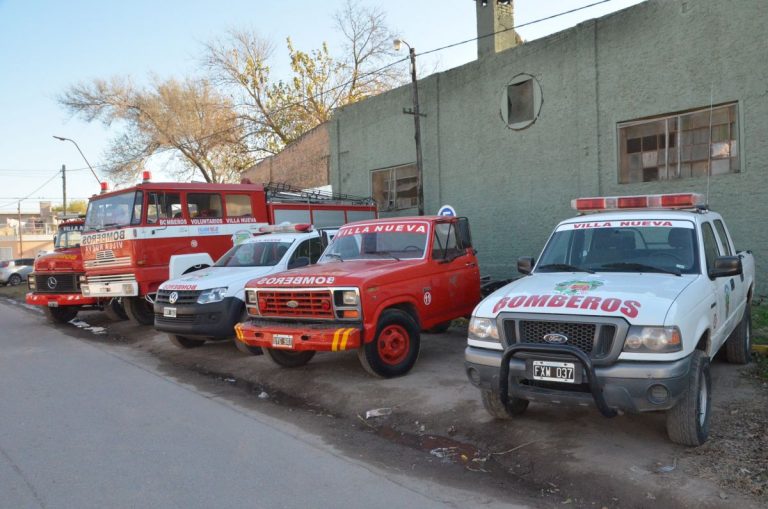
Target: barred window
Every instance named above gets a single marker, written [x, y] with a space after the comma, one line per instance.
[395, 188]
[681, 145]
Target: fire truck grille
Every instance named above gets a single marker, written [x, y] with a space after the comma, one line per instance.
[301, 304]
[107, 258]
[56, 283]
[182, 296]
[113, 278]
[580, 335]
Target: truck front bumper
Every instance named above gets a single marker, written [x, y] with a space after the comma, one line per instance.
[59, 300]
[110, 289]
[626, 386]
[213, 320]
[331, 337]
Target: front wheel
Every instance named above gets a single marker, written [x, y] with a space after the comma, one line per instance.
[688, 420]
[502, 410]
[185, 342]
[738, 348]
[289, 358]
[394, 350]
[61, 315]
[139, 310]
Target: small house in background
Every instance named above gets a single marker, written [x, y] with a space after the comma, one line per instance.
[36, 232]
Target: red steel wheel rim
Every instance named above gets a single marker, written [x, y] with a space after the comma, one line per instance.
[393, 344]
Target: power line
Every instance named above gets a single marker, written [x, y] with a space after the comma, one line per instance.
[33, 192]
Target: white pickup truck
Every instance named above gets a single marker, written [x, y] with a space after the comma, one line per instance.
[206, 304]
[625, 308]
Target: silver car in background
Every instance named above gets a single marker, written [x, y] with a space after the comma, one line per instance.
[13, 272]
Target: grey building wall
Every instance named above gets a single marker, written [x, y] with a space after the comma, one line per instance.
[658, 57]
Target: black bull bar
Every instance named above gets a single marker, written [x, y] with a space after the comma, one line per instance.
[586, 362]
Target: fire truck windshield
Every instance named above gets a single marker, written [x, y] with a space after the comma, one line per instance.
[356, 243]
[67, 239]
[254, 254]
[114, 211]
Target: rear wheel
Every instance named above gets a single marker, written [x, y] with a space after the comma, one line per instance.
[502, 410]
[61, 315]
[14, 280]
[396, 347]
[738, 348]
[139, 310]
[289, 358]
[688, 420]
[185, 342]
[114, 311]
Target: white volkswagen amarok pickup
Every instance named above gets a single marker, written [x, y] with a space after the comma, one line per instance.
[206, 304]
[626, 306]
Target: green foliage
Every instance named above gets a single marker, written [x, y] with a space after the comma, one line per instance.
[73, 207]
[760, 324]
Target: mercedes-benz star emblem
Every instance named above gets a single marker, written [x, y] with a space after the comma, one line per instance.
[51, 282]
[173, 297]
[556, 338]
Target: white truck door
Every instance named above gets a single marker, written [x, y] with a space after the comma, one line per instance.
[736, 293]
[719, 287]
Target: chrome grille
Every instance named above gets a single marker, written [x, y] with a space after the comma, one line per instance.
[296, 304]
[56, 283]
[580, 335]
[113, 278]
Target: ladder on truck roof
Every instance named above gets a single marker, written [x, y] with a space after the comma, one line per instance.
[286, 193]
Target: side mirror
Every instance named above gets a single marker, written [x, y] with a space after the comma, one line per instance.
[301, 261]
[525, 264]
[464, 235]
[725, 266]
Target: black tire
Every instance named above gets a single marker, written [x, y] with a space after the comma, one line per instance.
[185, 342]
[688, 420]
[493, 405]
[289, 358]
[62, 314]
[139, 310]
[14, 280]
[738, 348]
[114, 311]
[440, 328]
[394, 350]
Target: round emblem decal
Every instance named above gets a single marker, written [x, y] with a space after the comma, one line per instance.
[427, 298]
[193, 243]
[173, 297]
[292, 304]
[555, 338]
[51, 282]
[577, 287]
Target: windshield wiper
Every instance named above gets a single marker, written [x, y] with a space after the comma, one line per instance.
[385, 253]
[334, 255]
[641, 267]
[559, 267]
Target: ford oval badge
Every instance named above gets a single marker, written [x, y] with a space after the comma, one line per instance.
[292, 304]
[555, 338]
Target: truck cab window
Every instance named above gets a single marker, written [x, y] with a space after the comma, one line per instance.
[720, 227]
[163, 206]
[239, 205]
[204, 205]
[711, 249]
[444, 244]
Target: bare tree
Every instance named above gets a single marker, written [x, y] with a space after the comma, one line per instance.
[278, 112]
[188, 118]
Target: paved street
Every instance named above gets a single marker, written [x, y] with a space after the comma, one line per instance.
[86, 424]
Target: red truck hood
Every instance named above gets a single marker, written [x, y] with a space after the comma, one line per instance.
[347, 273]
[64, 260]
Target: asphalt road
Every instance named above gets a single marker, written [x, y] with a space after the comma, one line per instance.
[87, 424]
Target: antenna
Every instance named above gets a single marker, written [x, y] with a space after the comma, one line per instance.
[709, 147]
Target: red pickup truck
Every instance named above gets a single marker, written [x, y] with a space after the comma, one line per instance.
[376, 287]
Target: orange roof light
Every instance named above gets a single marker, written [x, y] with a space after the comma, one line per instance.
[104, 187]
[652, 201]
[146, 176]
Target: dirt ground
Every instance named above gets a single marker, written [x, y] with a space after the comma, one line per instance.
[569, 456]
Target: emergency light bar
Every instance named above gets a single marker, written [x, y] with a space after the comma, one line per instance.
[285, 228]
[651, 201]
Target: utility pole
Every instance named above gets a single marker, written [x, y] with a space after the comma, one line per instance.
[64, 186]
[21, 242]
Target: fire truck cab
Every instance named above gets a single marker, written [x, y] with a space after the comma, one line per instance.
[131, 234]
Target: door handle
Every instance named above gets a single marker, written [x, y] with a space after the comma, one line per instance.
[733, 285]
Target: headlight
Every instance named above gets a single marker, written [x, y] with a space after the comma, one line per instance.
[653, 340]
[212, 295]
[31, 282]
[483, 329]
[250, 297]
[349, 298]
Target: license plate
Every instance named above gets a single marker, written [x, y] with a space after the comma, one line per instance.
[169, 312]
[53, 304]
[282, 340]
[552, 371]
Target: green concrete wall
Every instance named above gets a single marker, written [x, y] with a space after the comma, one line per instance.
[651, 59]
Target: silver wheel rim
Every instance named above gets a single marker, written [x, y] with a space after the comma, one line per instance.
[703, 401]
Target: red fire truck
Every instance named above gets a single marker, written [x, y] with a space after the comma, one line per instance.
[55, 282]
[137, 238]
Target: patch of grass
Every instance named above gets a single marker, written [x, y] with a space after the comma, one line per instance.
[760, 324]
[760, 367]
[14, 292]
